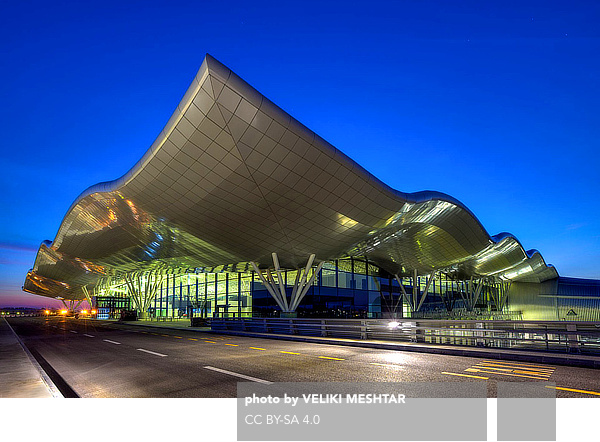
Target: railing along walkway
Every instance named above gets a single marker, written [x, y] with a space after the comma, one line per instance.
[554, 336]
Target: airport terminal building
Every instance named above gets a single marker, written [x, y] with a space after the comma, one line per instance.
[238, 210]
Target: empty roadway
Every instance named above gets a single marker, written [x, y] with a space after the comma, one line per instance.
[106, 359]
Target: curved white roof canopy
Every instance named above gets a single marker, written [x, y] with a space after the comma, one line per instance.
[233, 178]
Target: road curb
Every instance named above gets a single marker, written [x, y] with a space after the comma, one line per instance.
[50, 385]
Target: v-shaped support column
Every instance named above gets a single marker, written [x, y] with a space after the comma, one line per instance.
[87, 295]
[404, 294]
[273, 289]
[302, 285]
[277, 288]
[413, 302]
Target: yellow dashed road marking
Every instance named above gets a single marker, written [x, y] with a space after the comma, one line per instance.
[530, 371]
[574, 390]
[509, 370]
[506, 374]
[536, 373]
[192, 339]
[334, 359]
[518, 363]
[232, 345]
[289, 352]
[498, 369]
[508, 367]
[210, 342]
[464, 375]
[258, 348]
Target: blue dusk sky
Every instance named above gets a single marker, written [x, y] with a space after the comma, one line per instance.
[494, 103]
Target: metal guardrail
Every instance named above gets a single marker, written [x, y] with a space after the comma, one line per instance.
[555, 336]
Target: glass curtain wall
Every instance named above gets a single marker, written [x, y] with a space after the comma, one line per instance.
[224, 295]
[344, 288]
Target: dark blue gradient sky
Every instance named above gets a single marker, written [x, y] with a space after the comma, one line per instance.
[494, 103]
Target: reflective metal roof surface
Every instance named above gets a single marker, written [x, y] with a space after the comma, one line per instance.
[233, 178]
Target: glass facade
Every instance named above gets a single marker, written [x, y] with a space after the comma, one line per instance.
[357, 288]
[223, 295]
[110, 307]
[345, 288]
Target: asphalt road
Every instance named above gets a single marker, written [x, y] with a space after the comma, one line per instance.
[106, 359]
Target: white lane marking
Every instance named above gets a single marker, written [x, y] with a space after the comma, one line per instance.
[151, 352]
[112, 342]
[243, 376]
[89, 336]
[72, 331]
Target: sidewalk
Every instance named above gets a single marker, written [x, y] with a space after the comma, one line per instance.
[476, 352]
[20, 375]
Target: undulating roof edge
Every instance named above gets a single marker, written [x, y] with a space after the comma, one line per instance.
[232, 178]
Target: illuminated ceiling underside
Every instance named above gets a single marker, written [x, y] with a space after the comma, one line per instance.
[233, 178]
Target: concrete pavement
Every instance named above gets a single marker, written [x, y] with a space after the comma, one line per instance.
[20, 375]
